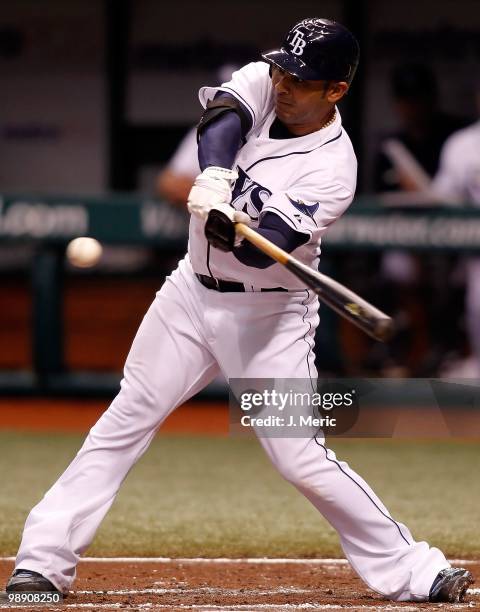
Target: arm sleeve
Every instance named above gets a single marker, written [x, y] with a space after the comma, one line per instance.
[220, 141]
[277, 231]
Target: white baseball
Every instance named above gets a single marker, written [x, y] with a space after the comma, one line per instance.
[84, 252]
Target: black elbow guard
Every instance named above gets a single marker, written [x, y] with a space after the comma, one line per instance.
[219, 106]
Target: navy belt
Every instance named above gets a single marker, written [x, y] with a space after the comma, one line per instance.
[229, 286]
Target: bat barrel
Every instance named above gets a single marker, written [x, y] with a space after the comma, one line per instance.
[384, 329]
[347, 303]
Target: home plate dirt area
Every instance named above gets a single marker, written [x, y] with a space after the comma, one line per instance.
[228, 585]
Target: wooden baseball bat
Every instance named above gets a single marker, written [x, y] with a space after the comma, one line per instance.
[348, 304]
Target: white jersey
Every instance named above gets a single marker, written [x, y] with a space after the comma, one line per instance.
[308, 181]
[458, 178]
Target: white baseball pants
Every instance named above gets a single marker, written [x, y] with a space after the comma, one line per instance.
[188, 335]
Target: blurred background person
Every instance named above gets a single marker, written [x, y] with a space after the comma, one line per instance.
[458, 181]
[423, 126]
[406, 161]
[176, 179]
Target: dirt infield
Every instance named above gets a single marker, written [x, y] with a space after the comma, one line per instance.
[64, 415]
[228, 585]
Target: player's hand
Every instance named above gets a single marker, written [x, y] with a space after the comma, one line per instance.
[235, 216]
[220, 226]
[211, 188]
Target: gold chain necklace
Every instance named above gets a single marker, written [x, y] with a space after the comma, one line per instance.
[331, 120]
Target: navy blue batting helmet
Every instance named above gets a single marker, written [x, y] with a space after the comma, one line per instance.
[318, 49]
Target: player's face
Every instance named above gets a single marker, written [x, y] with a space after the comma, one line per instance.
[303, 105]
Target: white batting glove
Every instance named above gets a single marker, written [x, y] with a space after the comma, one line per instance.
[212, 187]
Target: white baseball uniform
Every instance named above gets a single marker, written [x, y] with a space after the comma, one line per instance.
[458, 181]
[190, 333]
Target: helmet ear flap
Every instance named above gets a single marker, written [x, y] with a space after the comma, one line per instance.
[270, 71]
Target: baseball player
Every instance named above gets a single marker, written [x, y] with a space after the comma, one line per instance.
[273, 154]
[458, 182]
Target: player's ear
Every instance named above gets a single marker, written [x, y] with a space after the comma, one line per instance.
[336, 91]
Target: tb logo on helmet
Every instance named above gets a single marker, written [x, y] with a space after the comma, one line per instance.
[317, 49]
[298, 43]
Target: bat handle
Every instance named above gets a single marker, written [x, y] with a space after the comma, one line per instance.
[262, 243]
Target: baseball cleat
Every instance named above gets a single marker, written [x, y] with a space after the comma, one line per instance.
[26, 580]
[450, 585]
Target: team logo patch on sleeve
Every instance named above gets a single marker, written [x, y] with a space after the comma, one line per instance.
[307, 209]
